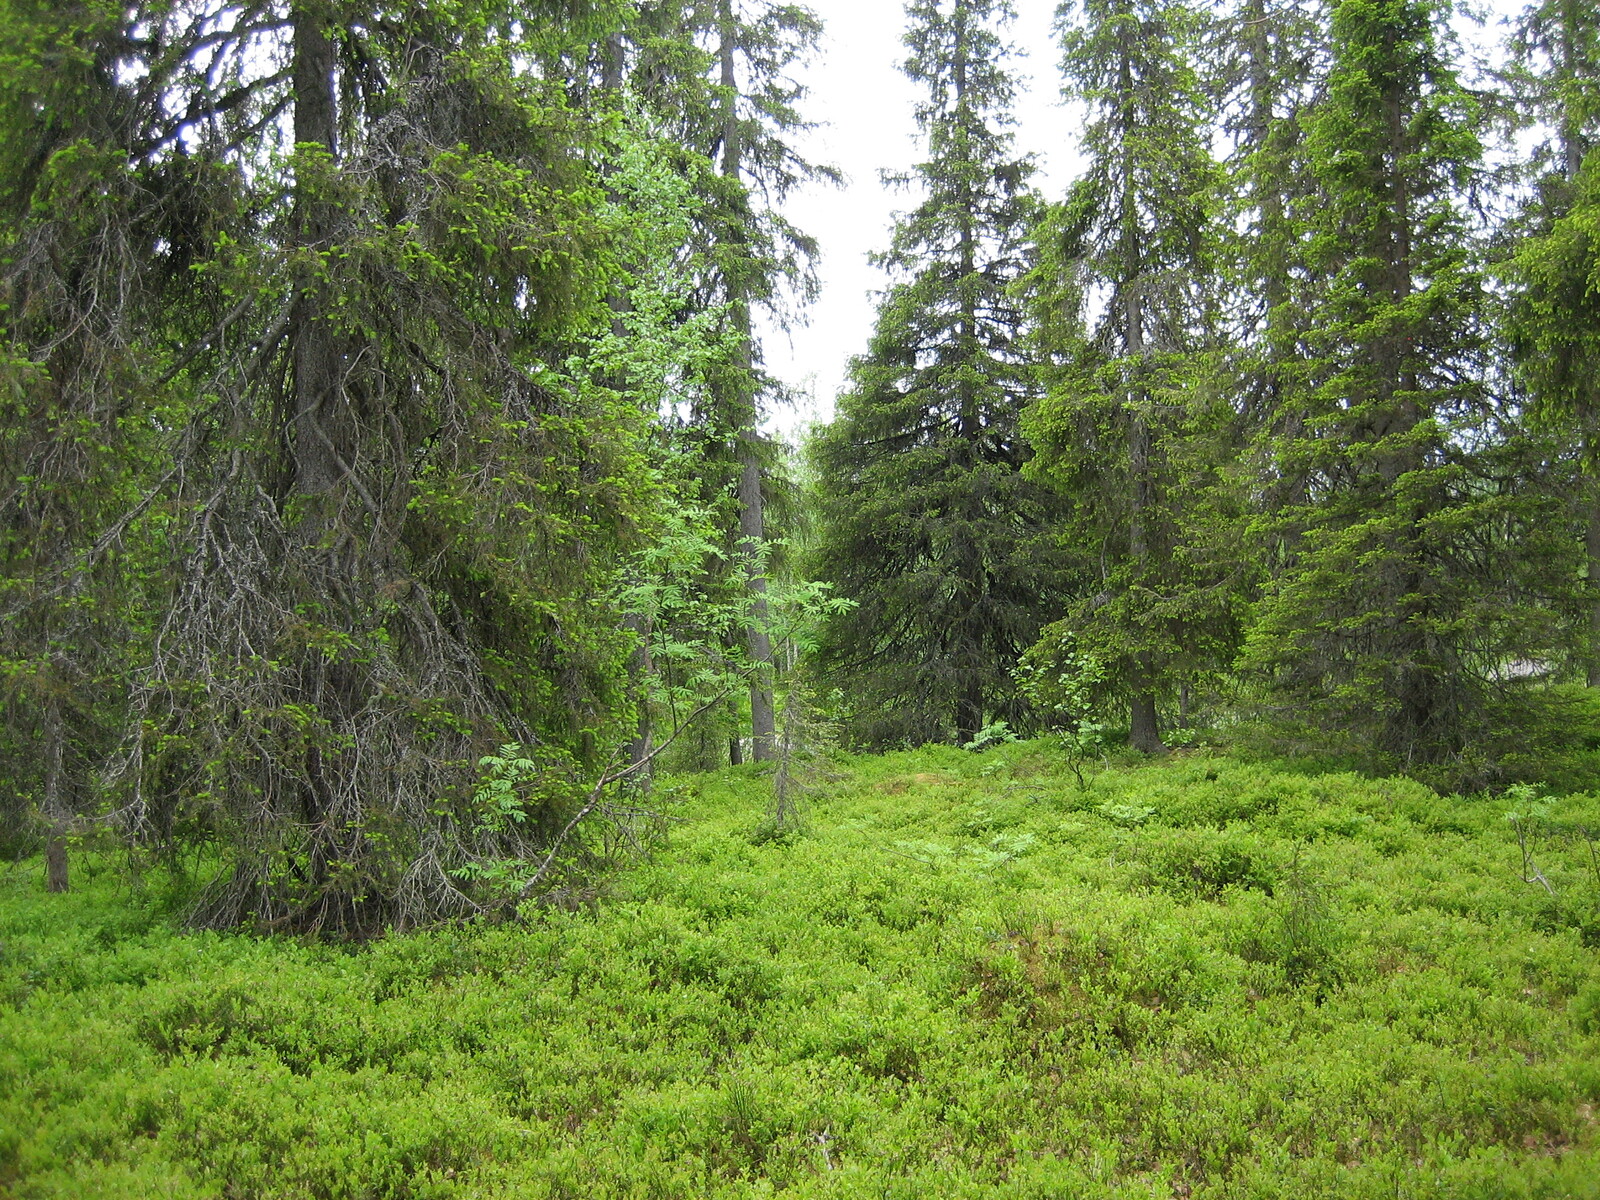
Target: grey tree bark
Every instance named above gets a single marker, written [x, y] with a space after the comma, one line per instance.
[55, 807]
[747, 457]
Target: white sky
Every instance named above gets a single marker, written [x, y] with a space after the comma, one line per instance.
[862, 105]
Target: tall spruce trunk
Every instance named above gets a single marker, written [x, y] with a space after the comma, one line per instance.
[969, 715]
[318, 417]
[1144, 726]
[321, 442]
[747, 456]
[1572, 148]
[969, 425]
[1265, 135]
[1417, 688]
[1572, 153]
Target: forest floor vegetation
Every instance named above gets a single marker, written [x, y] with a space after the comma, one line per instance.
[967, 976]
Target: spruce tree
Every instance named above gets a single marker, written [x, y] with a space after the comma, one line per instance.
[926, 521]
[1555, 78]
[1553, 314]
[1129, 430]
[1270, 57]
[344, 254]
[736, 387]
[1401, 601]
[96, 235]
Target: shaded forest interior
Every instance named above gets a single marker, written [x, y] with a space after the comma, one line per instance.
[384, 490]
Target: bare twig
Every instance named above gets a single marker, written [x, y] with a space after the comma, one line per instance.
[822, 1144]
[609, 777]
[200, 347]
[1530, 871]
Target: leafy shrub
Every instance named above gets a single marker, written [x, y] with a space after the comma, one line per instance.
[1302, 935]
[1586, 1008]
[1206, 863]
[959, 984]
[995, 733]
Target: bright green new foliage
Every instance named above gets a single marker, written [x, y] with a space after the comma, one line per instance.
[718, 79]
[973, 978]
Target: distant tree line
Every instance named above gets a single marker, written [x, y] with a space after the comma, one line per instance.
[1289, 401]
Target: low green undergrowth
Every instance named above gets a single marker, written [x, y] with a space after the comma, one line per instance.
[971, 977]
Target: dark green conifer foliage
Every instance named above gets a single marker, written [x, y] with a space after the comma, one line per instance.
[927, 522]
[1132, 429]
[1270, 57]
[1554, 75]
[1553, 270]
[376, 517]
[96, 234]
[1401, 602]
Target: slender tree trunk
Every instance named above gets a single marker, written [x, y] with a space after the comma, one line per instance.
[969, 423]
[1572, 118]
[747, 456]
[785, 799]
[1572, 154]
[752, 532]
[641, 669]
[318, 414]
[641, 664]
[1266, 137]
[55, 807]
[1144, 730]
[1592, 546]
[969, 427]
